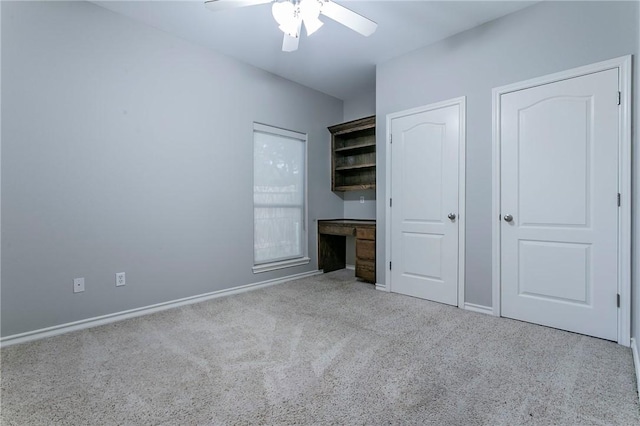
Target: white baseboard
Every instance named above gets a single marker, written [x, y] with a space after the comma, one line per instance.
[382, 287]
[351, 267]
[145, 310]
[636, 362]
[478, 308]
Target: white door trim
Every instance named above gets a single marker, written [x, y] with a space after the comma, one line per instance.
[623, 64]
[462, 103]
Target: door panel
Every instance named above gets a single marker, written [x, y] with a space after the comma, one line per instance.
[416, 248]
[421, 168]
[559, 182]
[424, 176]
[550, 133]
[541, 276]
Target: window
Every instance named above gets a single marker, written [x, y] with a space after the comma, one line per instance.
[279, 198]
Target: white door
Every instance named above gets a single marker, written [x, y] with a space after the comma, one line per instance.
[425, 148]
[559, 204]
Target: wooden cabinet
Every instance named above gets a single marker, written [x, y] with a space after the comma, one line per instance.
[353, 155]
[366, 254]
[331, 246]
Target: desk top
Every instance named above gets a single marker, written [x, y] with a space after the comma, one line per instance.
[353, 222]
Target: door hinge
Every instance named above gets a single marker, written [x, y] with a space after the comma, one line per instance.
[390, 138]
[389, 265]
[619, 199]
[390, 202]
[618, 300]
[619, 98]
[499, 217]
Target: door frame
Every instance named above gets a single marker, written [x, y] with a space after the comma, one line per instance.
[623, 64]
[461, 102]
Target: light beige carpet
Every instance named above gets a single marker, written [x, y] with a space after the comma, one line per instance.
[323, 350]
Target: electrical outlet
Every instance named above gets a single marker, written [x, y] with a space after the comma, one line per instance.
[120, 279]
[78, 285]
[362, 199]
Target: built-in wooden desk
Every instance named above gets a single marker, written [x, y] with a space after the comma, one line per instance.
[332, 246]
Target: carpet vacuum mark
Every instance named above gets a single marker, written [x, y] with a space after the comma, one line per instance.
[322, 350]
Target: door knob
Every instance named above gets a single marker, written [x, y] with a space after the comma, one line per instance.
[452, 216]
[508, 218]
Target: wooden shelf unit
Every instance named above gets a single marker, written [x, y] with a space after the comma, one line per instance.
[353, 155]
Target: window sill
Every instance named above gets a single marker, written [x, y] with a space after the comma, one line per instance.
[280, 265]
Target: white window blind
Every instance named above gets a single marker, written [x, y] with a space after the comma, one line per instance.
[279, 199]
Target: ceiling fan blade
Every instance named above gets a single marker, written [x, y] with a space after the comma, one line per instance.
[290, 44]
[348, 18]
[216, 5]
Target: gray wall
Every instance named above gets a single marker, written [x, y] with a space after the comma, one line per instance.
[127, 149]
[635, 206]
[0, 159]
[363, 105]
[542, 39]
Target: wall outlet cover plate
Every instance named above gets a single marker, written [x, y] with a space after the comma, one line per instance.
[120, 279]
[78, 285]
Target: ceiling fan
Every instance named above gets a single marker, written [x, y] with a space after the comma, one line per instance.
[291, 14]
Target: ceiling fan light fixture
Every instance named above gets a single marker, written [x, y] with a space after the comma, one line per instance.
[309, 12]
[292, 14]
[285, 15]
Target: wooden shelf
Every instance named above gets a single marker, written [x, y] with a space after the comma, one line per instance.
[353, 155]
[356, 147]
[355, 187]
[355, 167]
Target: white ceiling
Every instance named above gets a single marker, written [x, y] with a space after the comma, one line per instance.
[334, 60]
